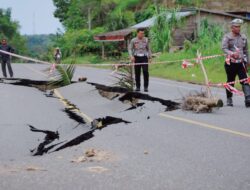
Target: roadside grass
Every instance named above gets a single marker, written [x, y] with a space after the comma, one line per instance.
[214, 67]
[93, 59]
[86, 59]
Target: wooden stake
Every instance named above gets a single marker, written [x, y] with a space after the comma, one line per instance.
[132, 74]
[103, 51]
[200, 62]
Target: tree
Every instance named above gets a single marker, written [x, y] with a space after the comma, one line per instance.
[62, 7]
[79, 14]
[10, 29]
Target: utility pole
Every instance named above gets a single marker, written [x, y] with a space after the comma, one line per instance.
[89, 18]
[34, 23]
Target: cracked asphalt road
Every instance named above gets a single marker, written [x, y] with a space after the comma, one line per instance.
[175, 150]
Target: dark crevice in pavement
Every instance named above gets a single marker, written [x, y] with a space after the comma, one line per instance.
[171, 105]
[74, 116]
[43, 86]
[101, 123]
[78, 140]
[109, 88]
[96, 124]
[39, 84]
[128, 96]
[49, 138]
[137, 105]
[73, 112]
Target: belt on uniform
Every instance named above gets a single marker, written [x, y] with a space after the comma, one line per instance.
[236, 60]
[140, 55]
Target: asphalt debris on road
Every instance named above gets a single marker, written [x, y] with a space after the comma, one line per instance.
[95, 155]
[90, 153]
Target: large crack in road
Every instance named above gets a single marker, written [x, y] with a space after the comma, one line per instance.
[125, 95]
[47, 146]
[52, 141]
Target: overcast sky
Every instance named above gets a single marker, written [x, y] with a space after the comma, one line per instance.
[34, 16]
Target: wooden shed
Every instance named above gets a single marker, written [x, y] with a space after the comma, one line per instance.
[188, 31]
[192, 23]
[219, 17]
[123, 36]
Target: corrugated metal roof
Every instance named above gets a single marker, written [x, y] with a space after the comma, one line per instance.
[150, 22]
[223, 13]
[118, 35]
[216, 12]
[123, 32]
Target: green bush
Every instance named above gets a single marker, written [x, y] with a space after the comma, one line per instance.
[95, 59]
[147, 13]
[161, 33]
[120, 20]
[203, 42]
[79, 42]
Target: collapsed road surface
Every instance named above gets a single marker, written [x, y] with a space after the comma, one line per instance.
[136, 146]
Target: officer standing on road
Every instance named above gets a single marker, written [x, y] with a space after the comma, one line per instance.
[5, 58]
[140, 52]
[234, 45]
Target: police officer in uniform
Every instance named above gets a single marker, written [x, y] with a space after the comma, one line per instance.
[140, 52]
[6, 58]
[234, 45]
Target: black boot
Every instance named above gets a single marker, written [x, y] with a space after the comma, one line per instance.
[246, 90]
[229, 101]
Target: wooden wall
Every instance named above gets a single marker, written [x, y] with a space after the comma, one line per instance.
[191, 24]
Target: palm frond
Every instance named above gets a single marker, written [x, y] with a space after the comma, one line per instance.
[124, 77]
[64, 75]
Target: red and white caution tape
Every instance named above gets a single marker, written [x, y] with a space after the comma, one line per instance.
[229, 87]
[52, 68]
[185, 64]
[108, 64]
[25, 58]
[246, 80]
[233, 90]
[208, 57]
